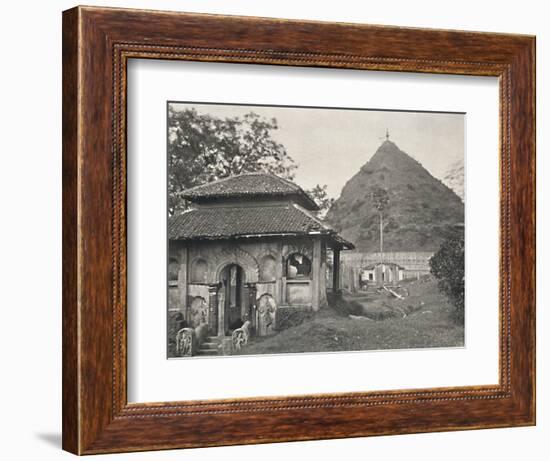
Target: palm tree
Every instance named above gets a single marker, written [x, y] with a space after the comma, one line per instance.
[380, 200]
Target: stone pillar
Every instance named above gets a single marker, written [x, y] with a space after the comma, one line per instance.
[284, 250]
[316, 274]
[279, 274]
[213, 308]
[182, 283]
[245, 302]
[335, 271]
[323, 277]
[221, 312]
[252, 308]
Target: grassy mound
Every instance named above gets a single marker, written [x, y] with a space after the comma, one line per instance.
[428, 322]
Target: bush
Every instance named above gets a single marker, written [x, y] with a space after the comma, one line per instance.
[447, 266]
[176, 322]
[288, 317]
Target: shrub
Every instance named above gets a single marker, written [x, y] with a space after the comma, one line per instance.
[176, 322]
[447, 266]
[288, 317]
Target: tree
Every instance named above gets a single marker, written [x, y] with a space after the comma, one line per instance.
[447, 265]
[320, 196]
[380, 199]
[204, 148]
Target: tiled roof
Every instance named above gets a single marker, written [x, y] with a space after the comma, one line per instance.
[249, 185]
[216, 223]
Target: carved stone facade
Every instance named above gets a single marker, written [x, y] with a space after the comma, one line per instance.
[265, 283]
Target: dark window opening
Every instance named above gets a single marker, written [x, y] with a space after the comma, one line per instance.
[298, 266]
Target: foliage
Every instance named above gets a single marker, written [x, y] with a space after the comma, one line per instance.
[320, 196]
[380, 201]
[380, 198]
[175, 323]
[447, 265]
[288, 318]
[204, 148]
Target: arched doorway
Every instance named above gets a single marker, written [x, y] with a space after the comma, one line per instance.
[232, 298]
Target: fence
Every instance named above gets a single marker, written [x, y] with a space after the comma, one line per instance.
[415, 263]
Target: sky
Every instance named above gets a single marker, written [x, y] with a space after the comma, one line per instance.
[329, 146]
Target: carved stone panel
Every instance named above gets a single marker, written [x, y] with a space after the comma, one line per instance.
[267, 309]
[198, 311]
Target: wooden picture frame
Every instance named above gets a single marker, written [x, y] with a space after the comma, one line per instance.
[97, 43]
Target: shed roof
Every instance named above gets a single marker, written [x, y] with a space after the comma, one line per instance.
[249, 185]
[226, 222]
[385, 263]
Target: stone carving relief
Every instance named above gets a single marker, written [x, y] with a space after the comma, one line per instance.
[198, 311]
[266, 315]
[236, 255]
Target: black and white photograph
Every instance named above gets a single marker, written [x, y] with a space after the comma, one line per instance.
[313, 229]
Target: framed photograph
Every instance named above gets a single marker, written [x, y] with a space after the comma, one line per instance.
[280, 230]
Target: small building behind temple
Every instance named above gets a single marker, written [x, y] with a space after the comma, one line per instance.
[382, 273]
[249, 248]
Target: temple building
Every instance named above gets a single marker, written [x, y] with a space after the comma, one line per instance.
[250, 247]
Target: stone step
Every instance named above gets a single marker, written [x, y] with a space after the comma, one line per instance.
[208, 352]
